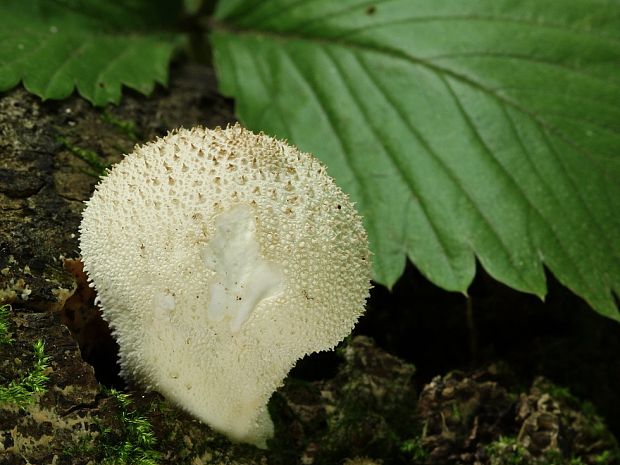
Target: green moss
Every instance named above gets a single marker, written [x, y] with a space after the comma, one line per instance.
[604, 457]
[456, 413]
[506, 451]
[83, 446]
[554, 457]
[126, 126]
[4, 324]
[560, 392]
[414, 449]
[97, 164]
[21, 391]
[134, 443]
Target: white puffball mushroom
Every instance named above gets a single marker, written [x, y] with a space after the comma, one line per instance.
[221, 257]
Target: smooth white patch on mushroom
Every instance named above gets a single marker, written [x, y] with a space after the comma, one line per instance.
[242, 277]
[220, 258]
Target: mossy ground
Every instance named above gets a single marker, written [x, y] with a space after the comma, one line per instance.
[21, 391]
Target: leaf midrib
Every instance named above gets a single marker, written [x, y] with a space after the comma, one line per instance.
[481, 18]
[427, 18]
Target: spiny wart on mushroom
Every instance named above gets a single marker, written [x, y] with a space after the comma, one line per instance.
[221, 257]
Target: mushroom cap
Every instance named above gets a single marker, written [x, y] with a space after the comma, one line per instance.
[221, 257]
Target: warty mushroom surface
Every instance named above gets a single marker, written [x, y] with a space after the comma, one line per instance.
[221, 257]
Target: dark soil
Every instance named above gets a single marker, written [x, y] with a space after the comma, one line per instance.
[561, 338]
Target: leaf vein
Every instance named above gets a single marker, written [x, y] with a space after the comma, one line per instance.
[392, 157]
[65, 62]
[446, 169]
[526, 58]
[550, 225]
[486, 150]
[481, 18]
[584, 121]
[575, 188]
[568, 96]
[362, 190]
[42, 45]
[122, 53]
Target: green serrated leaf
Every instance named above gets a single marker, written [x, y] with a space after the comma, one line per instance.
[54, 46]
[485, 129]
